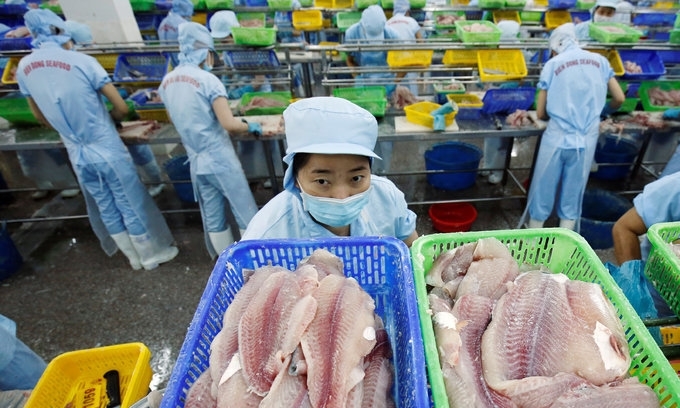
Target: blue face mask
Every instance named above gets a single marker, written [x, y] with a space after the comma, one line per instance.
[207, 67]
[333, 211]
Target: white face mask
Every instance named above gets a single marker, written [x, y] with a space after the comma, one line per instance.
[599, 18]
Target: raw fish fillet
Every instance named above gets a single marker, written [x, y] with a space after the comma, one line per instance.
[547, 324]
[378, 379]
[341, 334]
[464, 381]
[271, 327]
[488, 277]
[491, 248]
[225, 343]
[326, 263]
[199, 395]
[450, 265]
[628, 393]
[287, 390]
[234, 391]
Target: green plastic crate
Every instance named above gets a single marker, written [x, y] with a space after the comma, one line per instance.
[491, 37]
[254, 36]
[362, 4]
[415, 4]
[16, 111]
[283, 97]
[345, 19]
[439, 14]
[533, 16]
[371, 98]
[598, 32]
[491, 4]
[674, 37]
[219, 4]
[663, 266]
[280, 4]
[643, 93]
[56, 8]
[562, 251]
[584, 4]
[258, 19]
[143, 5]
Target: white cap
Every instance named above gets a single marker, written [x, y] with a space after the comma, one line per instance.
[606, 3]
[373, 22]
[327, 125]
[221, 23]
[562, 37]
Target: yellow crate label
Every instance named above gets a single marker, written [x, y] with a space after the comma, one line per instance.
[87, 394]
[670, 334]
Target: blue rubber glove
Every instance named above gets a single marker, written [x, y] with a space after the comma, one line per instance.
[607, 111]
[239, 92]
[255, 129]
[672, 114]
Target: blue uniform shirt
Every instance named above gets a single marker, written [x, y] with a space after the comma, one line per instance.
[385, 214]
[368, 58]
[659, 200]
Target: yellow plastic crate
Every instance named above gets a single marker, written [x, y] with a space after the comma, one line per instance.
[419, 113]
[555, 18]
[334, 4]
[465, 100]
[73, 377]
[107, 61]
[160, 115]
[501, 65]
[7, 77]
[614, 60]
[200, 17]
[460, 58]
[409, 58]
[500, 15]
[307, 20]
[330, 44]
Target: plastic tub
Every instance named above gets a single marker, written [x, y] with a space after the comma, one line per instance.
[648, 60]
[381, 265]
[452, 217]
[599, 211]
[463, 158]
[420, 114]
[614, 150]
[508, 100]
[177, 169]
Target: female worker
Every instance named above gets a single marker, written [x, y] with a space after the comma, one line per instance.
[64, 90]
[197, 104]
[572, 94]
[181, 12]
[372, 29]
[329, 189]
[408, 30]
[602, 12]
[142, 155]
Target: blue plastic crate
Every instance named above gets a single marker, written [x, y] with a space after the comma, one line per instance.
[648, 60]
[561, 4]
[580, 16]
[13, 9]
[164, 5]
[654, 19]
[148, 22]
[10, 44]
[141, 67]
[256, 3]
[506, 101]
[251, 59]
[381, 265]
[669, 56]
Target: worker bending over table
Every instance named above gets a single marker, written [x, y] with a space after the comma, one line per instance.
[329, 188]
[572, 93]
[64, 91]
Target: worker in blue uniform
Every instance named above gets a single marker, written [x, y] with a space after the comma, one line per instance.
[197, 104]
[658, 202]
[329, 189]
[64, 90]
[167, 30]
[142, 155]
[603, 11]
[20, 367]
[572, 94]
[372, 29]
[408, 30]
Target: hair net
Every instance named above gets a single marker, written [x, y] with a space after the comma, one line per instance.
[401, 6]
[562, 37]
[194, 42]
[44, 26]
[221, 23]
[80, 32]
[327, 125]
[184, 8]
[373, 22]
[606, 3]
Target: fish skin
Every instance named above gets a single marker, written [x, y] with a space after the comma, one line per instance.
[335, 342]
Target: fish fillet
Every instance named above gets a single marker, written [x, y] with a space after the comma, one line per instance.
[199, 395]
[287, 390]
[235, 393]
[341, 334]
[628, 393]
[379, 374]
[547, 324]
[325, 262]
[488, 277]
[450, 265]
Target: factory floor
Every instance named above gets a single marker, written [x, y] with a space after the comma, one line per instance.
[69, 295]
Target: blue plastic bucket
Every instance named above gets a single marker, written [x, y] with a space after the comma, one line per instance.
[615, 150]
[10, 258]
[457, 156]
[599, 212]
[177, 169]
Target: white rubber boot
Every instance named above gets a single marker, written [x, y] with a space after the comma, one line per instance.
[153, 172]
[149, 256]
[221, 240]
[568, 224]
[124, 243]
[535, 223]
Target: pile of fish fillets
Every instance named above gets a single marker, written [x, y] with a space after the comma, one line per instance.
[511, 338]
[308, 338]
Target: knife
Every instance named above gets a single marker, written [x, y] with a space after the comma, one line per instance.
[112, 388]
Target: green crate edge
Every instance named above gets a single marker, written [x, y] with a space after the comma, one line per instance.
[273, 110]
[644, 96]
[663, 266]
[257, 39]
[630, 35]
[653, 363]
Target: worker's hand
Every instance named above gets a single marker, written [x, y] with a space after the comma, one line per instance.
[239, 92]
[672, 114]
[255, 129]
[607, 111]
